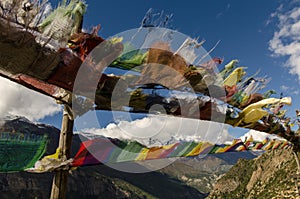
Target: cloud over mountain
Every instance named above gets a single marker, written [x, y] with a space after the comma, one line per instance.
[163, 129]
[20, 101]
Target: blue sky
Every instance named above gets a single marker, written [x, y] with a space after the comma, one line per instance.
[245, 29]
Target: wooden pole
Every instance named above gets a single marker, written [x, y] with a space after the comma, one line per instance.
[60, 181]
[59, 186]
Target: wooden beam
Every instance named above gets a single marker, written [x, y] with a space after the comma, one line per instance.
[60, 181]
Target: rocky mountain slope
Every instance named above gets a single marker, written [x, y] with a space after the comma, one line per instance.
[203, 173]
[271, 175]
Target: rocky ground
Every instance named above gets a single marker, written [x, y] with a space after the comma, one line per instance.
[271, 175]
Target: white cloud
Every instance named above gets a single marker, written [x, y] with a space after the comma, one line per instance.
[20, 101]
[296, 92]
[286, 40]
[284, 88]
[163, 129]
[289, 90]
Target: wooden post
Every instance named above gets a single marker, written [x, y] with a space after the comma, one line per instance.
[59, 186]
[60, 181]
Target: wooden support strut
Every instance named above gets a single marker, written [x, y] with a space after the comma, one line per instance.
[59, 186]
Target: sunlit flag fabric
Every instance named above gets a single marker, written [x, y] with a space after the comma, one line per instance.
[106, 150]
[19, 152]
